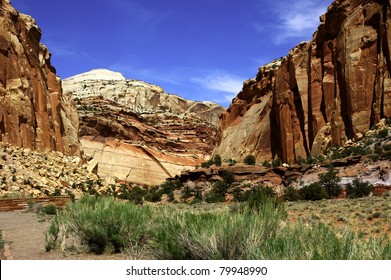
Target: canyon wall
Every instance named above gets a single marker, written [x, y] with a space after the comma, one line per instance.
[136, 132]
[33, 111]
[321, 94]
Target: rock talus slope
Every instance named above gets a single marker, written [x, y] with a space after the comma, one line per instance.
[321, 94]
[34, 113]
[135, 131]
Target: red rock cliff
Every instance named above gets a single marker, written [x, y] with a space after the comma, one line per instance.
[322, 93]
[33, 111]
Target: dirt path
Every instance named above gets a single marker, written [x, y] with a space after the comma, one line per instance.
[24, 235]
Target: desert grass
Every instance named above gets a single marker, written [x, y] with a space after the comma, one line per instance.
[164, 232]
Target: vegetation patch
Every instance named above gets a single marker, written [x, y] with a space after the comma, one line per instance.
[1, 241]
[256, 231]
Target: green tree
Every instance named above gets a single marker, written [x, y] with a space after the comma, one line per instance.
[217, 160]
[314, 191]
[249, 160]
[330, 181]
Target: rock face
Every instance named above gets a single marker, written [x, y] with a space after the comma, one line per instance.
[137, 132]
[33, 111]
[321, 94]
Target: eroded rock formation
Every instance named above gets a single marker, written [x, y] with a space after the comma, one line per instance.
[33, 111]
[136, 132]
[322, 93]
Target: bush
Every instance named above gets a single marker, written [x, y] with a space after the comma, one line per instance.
[291, 194]
[101, 224]
[105, 225]
[228, 177]
[217, 194]
[1, 241]
[217, 160]
[169, 186]
[135, 194]
[231, 162]
[314, 191]
[49, 209]
[154, 195]
[258, 196]
[329, 181]
[249, 160]
[358, 188]
[223, 236]
[382, 133]
[301, 161]
[207, 164]
[214, 197]
[186, 193]
[277, 162]
[266, 164]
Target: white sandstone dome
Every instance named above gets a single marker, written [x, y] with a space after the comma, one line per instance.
[98, 74]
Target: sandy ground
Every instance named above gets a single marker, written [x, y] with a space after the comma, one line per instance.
[24, 236]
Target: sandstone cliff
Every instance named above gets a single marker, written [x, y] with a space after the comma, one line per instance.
[322, 93]
[33, 111]
[137, 132]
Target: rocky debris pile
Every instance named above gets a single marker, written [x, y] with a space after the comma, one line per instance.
[34, 113]
[28, 173]
[323, 93]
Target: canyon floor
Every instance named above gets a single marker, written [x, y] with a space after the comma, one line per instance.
[24, 232]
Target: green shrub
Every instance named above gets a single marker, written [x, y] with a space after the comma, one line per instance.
[301, 161]
[217, 160]
[231, 162]
[240, 195]
[101, 224]
[266, 164]
[277, 162]
[223, 236]
[330, 180]
[49, 209]
[228, 177]
[154, 195]
[259, 195]
[314, 191]
[382, 133]
[249, 160]
[310, 160]
[218, 192]
[291, 194]
[135, 195]
[170, 197]
[207, 164]
[169, 186]
[186, 193]
[358, 188]
[214, 197]
[105, 225]
[1, 241]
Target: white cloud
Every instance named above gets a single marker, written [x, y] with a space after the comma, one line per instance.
[296, 19]
[221, 82]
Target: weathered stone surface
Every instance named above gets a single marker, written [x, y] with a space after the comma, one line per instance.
[137, 96]
[33, 111]
[136, 132]
[324, 92]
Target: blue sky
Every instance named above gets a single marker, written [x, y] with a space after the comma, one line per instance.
[198, 49]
